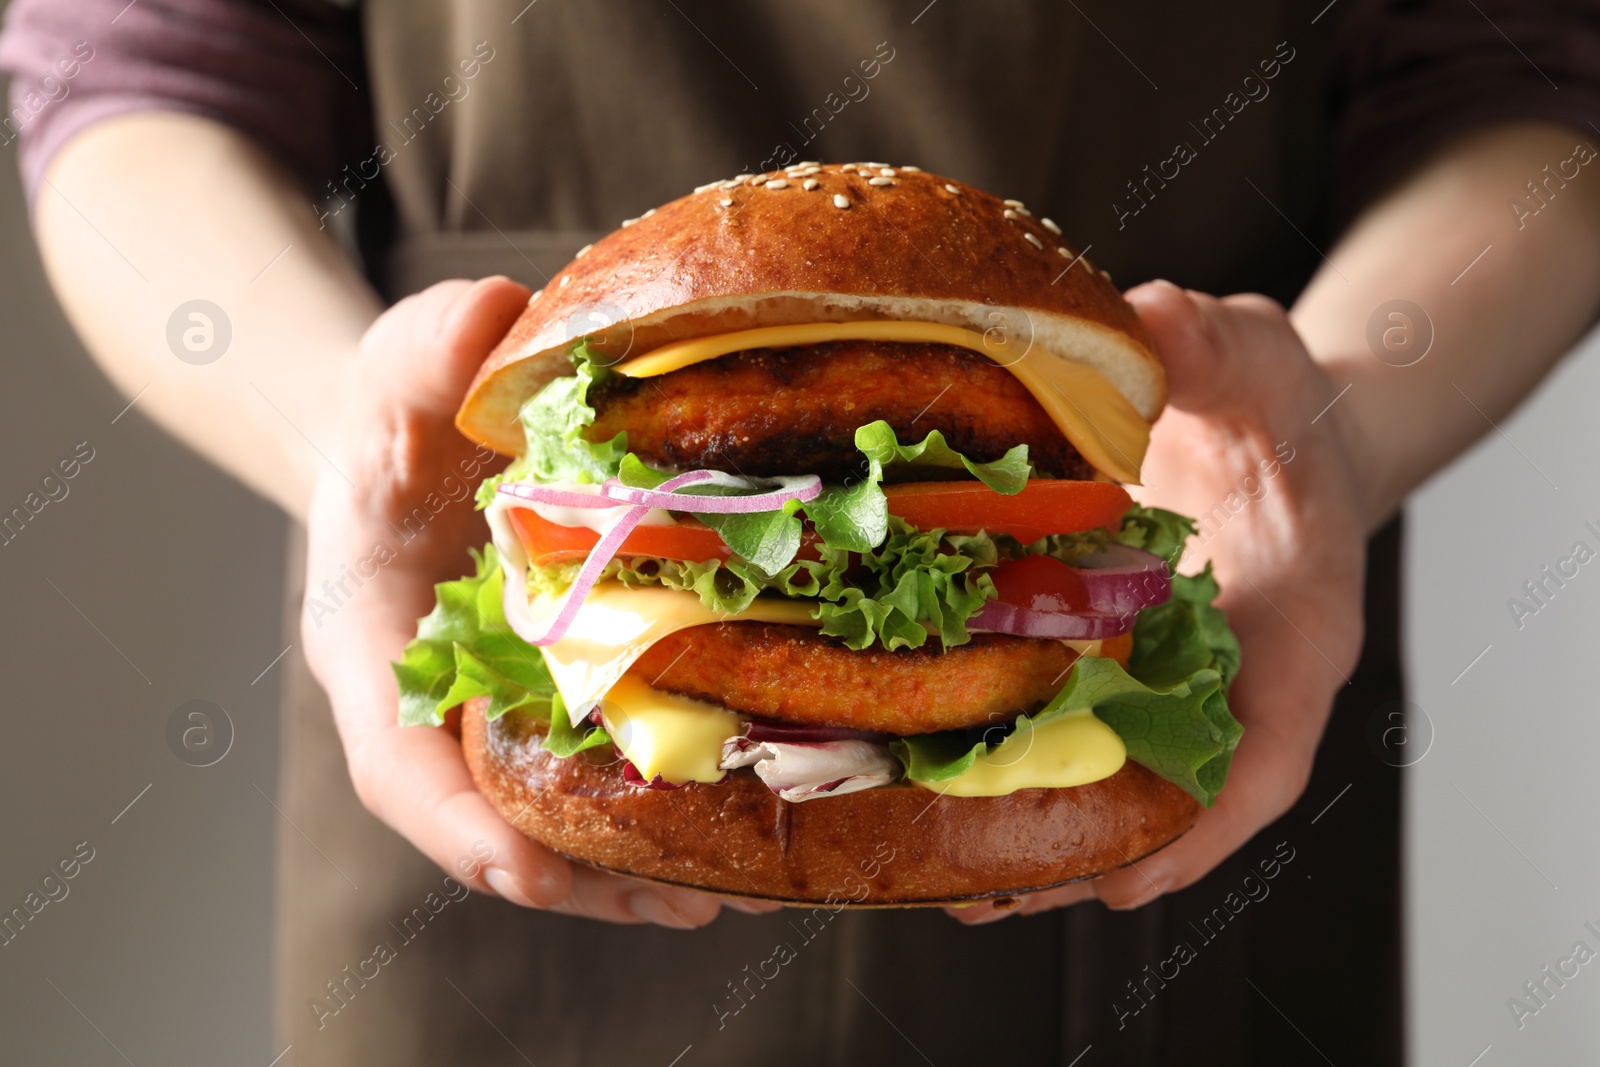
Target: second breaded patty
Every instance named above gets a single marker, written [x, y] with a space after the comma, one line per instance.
[794, 674]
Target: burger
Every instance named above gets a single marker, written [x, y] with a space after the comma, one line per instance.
[813, 576]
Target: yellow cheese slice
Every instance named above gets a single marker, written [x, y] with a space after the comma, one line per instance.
[1071, 749]
[1090, 412]
[617, 624]
[663, 733]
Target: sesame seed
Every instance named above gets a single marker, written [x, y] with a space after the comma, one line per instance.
[1008, 213]
[566, 280]
[848, 166]
[880, 181]
[1063, 251]
[912, 170]
[812, 168]
[810, 184]
[1105, 274]
[808, 163]
[758, 179]
[777, 183]
[741, 177]
[725, 202]
[628, 222]
[708, 185]
[841, 201]
[583, 251]
[535, 295]
[1034, 241]
[875, 165]
[1013, 203]
[647, 214]
[1051, 226]
[953, 190]
[887, 172]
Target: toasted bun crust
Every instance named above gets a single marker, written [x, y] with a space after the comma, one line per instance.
[742, 254]
[894, 846]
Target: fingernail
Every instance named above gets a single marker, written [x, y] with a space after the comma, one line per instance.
[652, 907]
[508, 887]
[1151, 892]
[754, 907]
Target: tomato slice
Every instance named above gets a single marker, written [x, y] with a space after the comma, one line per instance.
[1041, 583]
[548, 542]
[1045, 506]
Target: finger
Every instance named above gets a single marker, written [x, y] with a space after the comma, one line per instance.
[1282, 711]
[753, 907]
[417, 782]
[1238, 356]
[613, 898]
[1060, 897]
[432, 344]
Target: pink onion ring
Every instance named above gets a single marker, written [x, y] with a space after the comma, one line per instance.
[515, 597]
[613, 494]
[1002, 618]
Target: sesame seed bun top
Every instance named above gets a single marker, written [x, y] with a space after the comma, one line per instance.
[818, 244]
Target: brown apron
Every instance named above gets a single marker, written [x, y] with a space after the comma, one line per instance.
[515, 133]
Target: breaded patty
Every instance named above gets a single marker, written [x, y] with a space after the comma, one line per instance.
[769, 411]
[794, 674]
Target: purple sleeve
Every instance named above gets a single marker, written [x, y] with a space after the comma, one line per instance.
[289, 74]
[1407, 76]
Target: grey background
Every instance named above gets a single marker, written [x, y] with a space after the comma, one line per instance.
[168, 587]
[163, 941]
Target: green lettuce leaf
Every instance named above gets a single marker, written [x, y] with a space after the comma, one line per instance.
[554, 421]
[920, 581]
[1170, 707]
[1157, 531]
[1008, 474]
[465, 649]
[563, 739]
[768, 540]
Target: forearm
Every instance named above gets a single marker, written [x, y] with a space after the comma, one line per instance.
[1497, 328]
[141, 214]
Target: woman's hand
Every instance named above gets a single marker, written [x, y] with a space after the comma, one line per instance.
[372, 503]
[1250, 446]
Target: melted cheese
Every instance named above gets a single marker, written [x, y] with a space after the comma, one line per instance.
[1072, 749]
[1090, 412]
[663, 733]
[618, 624]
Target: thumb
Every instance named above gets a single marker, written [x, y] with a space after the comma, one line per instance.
[1237, 356]
[429, 346]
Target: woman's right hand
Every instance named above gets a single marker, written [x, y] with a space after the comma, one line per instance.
[399, 448]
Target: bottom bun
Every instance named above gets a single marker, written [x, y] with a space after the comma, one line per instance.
[893, 846]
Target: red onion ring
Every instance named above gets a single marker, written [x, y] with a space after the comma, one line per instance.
[1120, 579]
[1000, 617]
